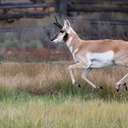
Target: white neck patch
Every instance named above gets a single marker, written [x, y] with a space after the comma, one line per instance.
[68, 43]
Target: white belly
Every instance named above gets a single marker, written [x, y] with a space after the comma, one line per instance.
[99, 60]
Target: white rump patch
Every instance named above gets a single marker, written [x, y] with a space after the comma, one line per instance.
[99, 60]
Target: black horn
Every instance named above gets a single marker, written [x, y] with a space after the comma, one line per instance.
[57, 23]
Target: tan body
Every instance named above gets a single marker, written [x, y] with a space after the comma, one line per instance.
[119, 48]
[90, 54]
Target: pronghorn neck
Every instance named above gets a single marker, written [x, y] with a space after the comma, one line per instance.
[73, 42]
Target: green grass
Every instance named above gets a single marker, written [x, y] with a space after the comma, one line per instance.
[42, 96]
[70, 107]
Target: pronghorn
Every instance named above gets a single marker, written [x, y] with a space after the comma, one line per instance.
[91, 54]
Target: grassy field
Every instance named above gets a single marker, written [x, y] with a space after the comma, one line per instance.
[41, 96]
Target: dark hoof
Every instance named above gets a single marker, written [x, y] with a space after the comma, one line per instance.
[101, 87]
[77, 85]
[125, 86]
[117, 90]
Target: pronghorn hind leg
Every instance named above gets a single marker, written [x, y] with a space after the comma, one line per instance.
[123, 80]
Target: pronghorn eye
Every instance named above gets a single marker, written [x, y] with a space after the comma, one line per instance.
[61, 31]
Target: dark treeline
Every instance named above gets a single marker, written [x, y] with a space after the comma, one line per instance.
[92, 19]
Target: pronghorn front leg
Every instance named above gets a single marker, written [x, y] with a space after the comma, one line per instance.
[84, 75]
[71, 68]
[122, 82]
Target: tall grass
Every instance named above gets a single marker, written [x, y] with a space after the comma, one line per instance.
[74, 112]
[54, 79]
[42, 96]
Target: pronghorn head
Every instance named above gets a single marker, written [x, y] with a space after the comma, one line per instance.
[65, 32]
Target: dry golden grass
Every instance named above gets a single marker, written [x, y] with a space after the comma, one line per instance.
[39, 77]
[32, 77]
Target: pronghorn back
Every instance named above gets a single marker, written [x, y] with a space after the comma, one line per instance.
[104, 45]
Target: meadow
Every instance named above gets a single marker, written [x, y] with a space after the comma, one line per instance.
[40, 95]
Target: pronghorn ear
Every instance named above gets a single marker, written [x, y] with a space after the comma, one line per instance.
[66, 24]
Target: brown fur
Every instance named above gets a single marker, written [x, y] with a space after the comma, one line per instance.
[103, 45]
[119, 47]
